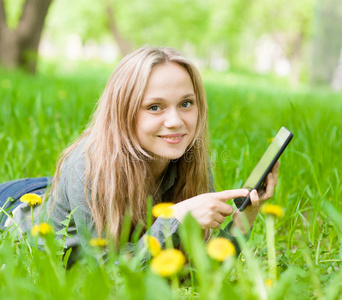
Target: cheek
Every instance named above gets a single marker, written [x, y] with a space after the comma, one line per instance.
[139, 128]
[145, 126]
[192, 120]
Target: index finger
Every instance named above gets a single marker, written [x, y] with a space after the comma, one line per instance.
[231, 194]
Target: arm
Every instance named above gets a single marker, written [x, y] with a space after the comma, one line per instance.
[210, 209]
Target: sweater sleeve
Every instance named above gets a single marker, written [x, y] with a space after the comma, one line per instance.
[71, 195]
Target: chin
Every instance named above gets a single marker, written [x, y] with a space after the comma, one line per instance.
[171, 155]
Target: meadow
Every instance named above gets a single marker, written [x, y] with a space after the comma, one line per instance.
[41, 115]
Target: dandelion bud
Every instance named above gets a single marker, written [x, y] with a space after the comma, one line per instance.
[98, 242]
[43, 230]
[152, 244]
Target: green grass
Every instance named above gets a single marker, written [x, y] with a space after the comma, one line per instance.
[40, 116]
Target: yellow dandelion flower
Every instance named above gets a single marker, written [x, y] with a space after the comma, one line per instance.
[42, 229]
[220, 248]
[268, 282]
[98, 242]
[45, 229]
[163, 210]
[169, 262]
[273, 209]
[152, 244]
[31, 199]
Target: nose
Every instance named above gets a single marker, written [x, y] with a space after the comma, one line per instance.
[173, 119]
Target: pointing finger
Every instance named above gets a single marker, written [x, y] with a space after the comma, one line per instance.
[231, 194]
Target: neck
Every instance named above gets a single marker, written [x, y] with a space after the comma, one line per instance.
[158, 168]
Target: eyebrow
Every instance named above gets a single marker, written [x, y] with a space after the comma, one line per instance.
[163, 99]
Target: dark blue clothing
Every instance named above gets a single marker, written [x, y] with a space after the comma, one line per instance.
[17, 188]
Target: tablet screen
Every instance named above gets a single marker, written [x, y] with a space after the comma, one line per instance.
[269, 158]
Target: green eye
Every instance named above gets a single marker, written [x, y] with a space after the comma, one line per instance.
[186, 104]
[154, 108]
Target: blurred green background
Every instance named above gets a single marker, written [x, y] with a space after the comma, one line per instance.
[298, 41]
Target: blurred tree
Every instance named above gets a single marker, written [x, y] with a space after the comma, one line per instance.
[201, 28]
[174, 22]
[90, 20]
[289, 23]
[19, 46]
[230, 25]
[124, 45]
[327, 40]
[132, 23]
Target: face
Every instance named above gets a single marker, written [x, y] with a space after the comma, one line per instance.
[167, 119]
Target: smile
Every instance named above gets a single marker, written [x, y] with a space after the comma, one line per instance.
[172, 138]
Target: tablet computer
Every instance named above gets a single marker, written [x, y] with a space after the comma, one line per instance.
[264, 166]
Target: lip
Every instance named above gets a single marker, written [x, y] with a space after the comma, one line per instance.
[174, 138]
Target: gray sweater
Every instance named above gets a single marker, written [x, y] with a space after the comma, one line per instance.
[71, 195]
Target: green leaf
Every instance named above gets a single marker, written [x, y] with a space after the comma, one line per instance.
[66, 257]
[192, 241]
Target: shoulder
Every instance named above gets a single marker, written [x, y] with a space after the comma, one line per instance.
[70, 189]
[74, 165]
[71, 178]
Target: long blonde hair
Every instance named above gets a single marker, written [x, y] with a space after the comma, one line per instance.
[117, 168]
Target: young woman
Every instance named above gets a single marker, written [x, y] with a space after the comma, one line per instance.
[147, 137]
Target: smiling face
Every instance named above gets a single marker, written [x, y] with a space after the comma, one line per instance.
[167, 119]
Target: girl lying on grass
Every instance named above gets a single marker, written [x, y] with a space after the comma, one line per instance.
[147, 137]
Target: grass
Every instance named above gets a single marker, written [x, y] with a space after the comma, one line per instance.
[41, 115]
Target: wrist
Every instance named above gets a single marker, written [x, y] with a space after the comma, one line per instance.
[178, 212]
[244, 221]
[251, 212]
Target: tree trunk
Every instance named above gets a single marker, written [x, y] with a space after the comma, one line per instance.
[295, 57]
[19, 47]
[124, 46]
[292, 48]
[327, 42]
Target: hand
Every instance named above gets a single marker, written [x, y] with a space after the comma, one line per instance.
[257, 200]
[209, 209]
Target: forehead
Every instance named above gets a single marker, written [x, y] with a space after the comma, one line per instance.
[169, 77]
